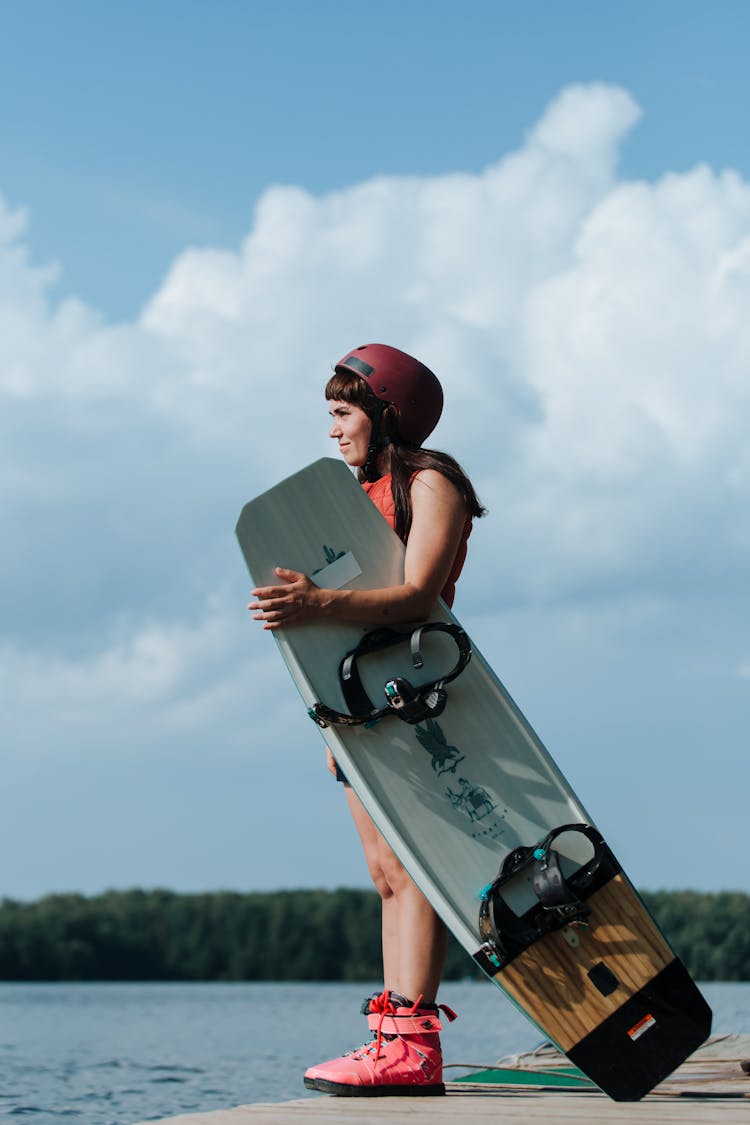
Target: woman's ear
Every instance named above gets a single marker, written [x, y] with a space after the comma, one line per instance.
[389, 422]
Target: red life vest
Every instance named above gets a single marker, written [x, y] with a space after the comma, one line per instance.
[381, 494]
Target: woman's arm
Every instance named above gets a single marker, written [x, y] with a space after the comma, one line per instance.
[438, 518]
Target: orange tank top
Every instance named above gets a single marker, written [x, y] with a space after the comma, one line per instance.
[381, 495]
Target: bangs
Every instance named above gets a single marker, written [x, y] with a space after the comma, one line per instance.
[345, 387]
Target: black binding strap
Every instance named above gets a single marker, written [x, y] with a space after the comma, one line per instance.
[410, 703]
[561, 901]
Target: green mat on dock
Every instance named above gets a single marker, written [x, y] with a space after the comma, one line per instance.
[569, 1076]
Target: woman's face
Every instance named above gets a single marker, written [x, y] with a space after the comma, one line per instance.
[351, 429]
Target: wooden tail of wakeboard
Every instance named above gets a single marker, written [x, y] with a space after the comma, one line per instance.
[560, 928]
[594, 969]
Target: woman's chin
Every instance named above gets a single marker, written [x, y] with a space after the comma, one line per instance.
[352, 460]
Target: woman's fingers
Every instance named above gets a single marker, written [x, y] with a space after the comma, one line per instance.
[278, 605]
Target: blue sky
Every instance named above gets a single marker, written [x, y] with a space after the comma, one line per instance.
[202, 207]
[133, 130]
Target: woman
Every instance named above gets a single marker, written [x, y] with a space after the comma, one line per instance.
[384, 404]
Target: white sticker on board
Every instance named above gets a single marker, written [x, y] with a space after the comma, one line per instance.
[342, 570]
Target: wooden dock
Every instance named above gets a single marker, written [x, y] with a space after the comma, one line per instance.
[474, 1108]
[711, 1088]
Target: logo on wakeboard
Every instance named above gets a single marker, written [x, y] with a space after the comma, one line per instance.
[445, 757]
[340, 568]
[473, 799]
[330, 557]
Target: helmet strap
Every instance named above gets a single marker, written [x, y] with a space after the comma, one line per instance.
[377, 444]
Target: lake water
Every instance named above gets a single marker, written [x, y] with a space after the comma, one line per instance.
[95, 1054]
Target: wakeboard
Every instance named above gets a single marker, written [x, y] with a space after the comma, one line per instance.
[463, 790]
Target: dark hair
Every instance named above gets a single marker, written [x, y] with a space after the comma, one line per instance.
[403, 458]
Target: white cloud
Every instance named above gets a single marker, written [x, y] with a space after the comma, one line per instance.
[144, 670]
[592, 335]
[593, 338]
[156, 681]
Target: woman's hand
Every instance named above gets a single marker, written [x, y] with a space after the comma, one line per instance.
[438, 518]
[295, 601]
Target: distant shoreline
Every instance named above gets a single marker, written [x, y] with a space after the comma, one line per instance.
[303, 935]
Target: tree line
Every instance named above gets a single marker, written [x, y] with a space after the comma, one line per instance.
[289, 935]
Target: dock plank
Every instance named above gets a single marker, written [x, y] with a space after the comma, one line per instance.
[711, 1088]
[488, 1107]
[472, 1107]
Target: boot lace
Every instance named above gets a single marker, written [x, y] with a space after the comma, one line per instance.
[383, 1006]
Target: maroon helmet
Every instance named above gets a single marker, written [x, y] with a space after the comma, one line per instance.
[397, 377]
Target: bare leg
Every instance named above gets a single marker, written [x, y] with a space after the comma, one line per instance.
[414, 938]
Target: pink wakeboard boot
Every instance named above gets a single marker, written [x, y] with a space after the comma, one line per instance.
[404, 1058]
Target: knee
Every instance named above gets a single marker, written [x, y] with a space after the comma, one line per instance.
[387, 872]
[381, 884]
[379, 876]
